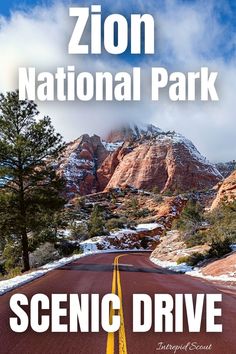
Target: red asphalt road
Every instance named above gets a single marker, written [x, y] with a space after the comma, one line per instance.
[93, 275]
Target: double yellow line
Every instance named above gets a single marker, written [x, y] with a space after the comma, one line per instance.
[116, 289]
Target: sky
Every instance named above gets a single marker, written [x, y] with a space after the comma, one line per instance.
[190, 34]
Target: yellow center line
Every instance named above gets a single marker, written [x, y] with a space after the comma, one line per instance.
[116, 288]
[122, 337]
[110, 336]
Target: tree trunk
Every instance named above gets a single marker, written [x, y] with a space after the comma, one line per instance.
[25, 250]
[23, 231]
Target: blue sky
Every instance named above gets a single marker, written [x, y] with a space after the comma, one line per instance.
[6, 6]
[224, 13]
[226, 8]
[190, 34]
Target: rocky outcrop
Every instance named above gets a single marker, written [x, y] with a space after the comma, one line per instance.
[221, 267]
[131, 239]
[172, 248]
[78, 164]
[226, 192]
[164, 161]
[108, 167]
[170, 209]
[226, 168]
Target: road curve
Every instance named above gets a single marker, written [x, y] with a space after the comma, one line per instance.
[125, 275]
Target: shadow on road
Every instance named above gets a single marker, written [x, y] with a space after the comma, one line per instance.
[109, 268]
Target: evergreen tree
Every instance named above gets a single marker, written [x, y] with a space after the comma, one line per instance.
[29, 187]
[96, 222]
[190, 217]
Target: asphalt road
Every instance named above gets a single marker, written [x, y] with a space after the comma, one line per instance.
[125, 275]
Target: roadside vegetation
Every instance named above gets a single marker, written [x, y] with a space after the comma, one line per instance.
[217, 229]
[30, 191]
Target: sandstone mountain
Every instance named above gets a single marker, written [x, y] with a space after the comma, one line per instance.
[226, 192]
[79, 162]
[145, 158]
[151, 158]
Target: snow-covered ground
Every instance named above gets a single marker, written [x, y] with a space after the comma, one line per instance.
[192, 271]
[224, 277]
[90, 245]
[150, 226]
[139, 227]
[10, 284]
[179, 268]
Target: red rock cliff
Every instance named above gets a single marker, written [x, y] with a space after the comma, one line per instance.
[166, 161]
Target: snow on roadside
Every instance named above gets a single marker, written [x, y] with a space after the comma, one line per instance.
[13, 283]
[192, 271]
[10, 284]
[179, 268]
[224, 277]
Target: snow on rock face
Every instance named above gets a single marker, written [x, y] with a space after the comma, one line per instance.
[132, 132]
[112, 146]
[144, 236]
[156, 159]
[150, 226]
[226, 168]
[144, 157]
[78, 164]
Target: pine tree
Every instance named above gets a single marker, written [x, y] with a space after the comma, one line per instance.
[96, 222]
[29, 186]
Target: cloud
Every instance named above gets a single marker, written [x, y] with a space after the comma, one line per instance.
[189, 35]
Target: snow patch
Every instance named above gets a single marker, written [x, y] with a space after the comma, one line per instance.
[179, 268]
[112, 146]
[224, 277]
[233, 247]
[121, 232]
[149, 227]
[64, 233]
[90, 245]
[192, 271]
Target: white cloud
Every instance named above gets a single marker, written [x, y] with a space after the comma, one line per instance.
[187, 38]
